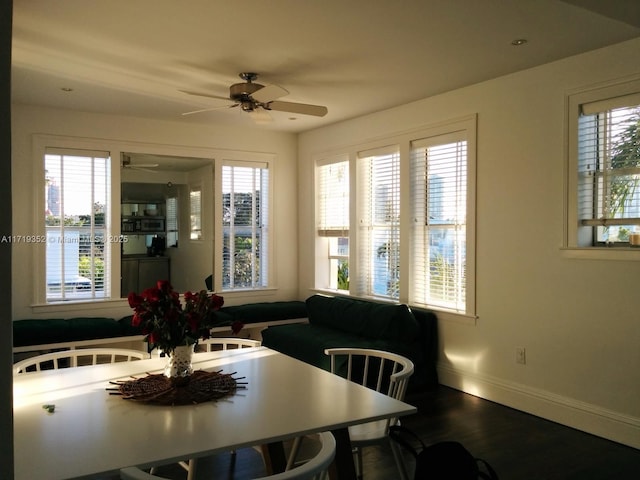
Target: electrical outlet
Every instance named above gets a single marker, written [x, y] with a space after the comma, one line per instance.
[520, 355]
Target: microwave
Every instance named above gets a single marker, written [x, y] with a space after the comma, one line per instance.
[151, 224]
[143, 224]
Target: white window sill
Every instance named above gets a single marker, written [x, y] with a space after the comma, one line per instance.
[602, 253]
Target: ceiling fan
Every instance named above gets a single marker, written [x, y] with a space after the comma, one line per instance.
[126, 163]
[257, 100]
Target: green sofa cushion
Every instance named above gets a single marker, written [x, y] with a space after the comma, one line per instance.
[363, 318]
[54, 330]
[307, 342]
[266, 311]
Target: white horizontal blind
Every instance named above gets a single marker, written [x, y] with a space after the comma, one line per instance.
[333, 199]
[609, 169]
[76, 221]
[172, 222]
[379, 223]
[332, 220]
[195, 212]
[245, 222]
[439, 209]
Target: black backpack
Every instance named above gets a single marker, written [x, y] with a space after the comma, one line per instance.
[442, 460]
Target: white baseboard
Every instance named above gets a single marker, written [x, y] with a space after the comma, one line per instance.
[563, 410]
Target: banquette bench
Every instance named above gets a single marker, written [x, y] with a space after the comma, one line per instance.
[300, 329]
[347, 322]
[38, 335]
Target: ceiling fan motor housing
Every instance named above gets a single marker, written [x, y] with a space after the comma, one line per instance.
[241, 93]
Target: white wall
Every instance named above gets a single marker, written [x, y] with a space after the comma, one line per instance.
[579, 320]
[171, 138]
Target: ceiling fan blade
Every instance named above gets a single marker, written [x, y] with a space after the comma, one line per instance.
[210, 109]
[269, 93]
[204, 95]
[303, 108]
[260, 116]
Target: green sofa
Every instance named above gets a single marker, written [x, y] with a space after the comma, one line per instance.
[29, 333]
[346, 322]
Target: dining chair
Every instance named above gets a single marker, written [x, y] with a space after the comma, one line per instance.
[215, 343]
[316, 468]
[382, 371]
[210, 345]
[76, 358]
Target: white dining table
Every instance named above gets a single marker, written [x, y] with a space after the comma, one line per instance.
[92, 432]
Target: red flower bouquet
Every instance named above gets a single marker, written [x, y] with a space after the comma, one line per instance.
[168, 324]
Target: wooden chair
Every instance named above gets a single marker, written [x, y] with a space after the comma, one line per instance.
[315, 468]
[383, 372]
[76, 358]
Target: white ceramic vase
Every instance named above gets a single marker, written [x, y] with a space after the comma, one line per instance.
[179, 365]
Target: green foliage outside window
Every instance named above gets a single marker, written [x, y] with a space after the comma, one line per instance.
[96, 275]
[343, 276]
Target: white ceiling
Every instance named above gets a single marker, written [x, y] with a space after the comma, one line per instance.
[131, 57]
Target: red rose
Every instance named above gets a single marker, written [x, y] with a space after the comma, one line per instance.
[134, 299]
[216, 302]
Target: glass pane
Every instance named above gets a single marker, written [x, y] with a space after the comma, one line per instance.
[245, 224]
[76, 193]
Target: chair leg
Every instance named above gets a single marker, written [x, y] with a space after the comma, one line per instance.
[295, 448]
[190, 466]
[359, 469]
[399, 458]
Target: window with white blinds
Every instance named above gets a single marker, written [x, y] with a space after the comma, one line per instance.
[332, 187]
[439, 222]
[245, 226]
[608, 197]
[333, 199]
[379, 223]
[76, 223]
[195, 213]
[172, 222]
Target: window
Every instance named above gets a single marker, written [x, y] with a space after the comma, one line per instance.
[605, 166]
[172, 222]
[76, 223]
[195, 203]
[332, 184]
[413, 236]
[245, 226]
[379, 223]
[439, 213]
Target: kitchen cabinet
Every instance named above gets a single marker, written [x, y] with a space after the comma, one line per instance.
[139, 273]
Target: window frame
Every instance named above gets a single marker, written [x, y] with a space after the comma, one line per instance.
[573, 246]
[422, 228]
[195, 213]
[403, 141]
[326, 273]
[370, 224]
[267, 274]
[112, 218]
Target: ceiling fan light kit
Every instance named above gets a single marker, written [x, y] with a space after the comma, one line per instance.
[258, 99]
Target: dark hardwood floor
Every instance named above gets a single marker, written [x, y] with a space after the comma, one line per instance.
[519, 446]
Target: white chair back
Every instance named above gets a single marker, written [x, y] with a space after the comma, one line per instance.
[214, 343]
[384, 372]
[388, 370]
[76, 358]
[314, 469]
